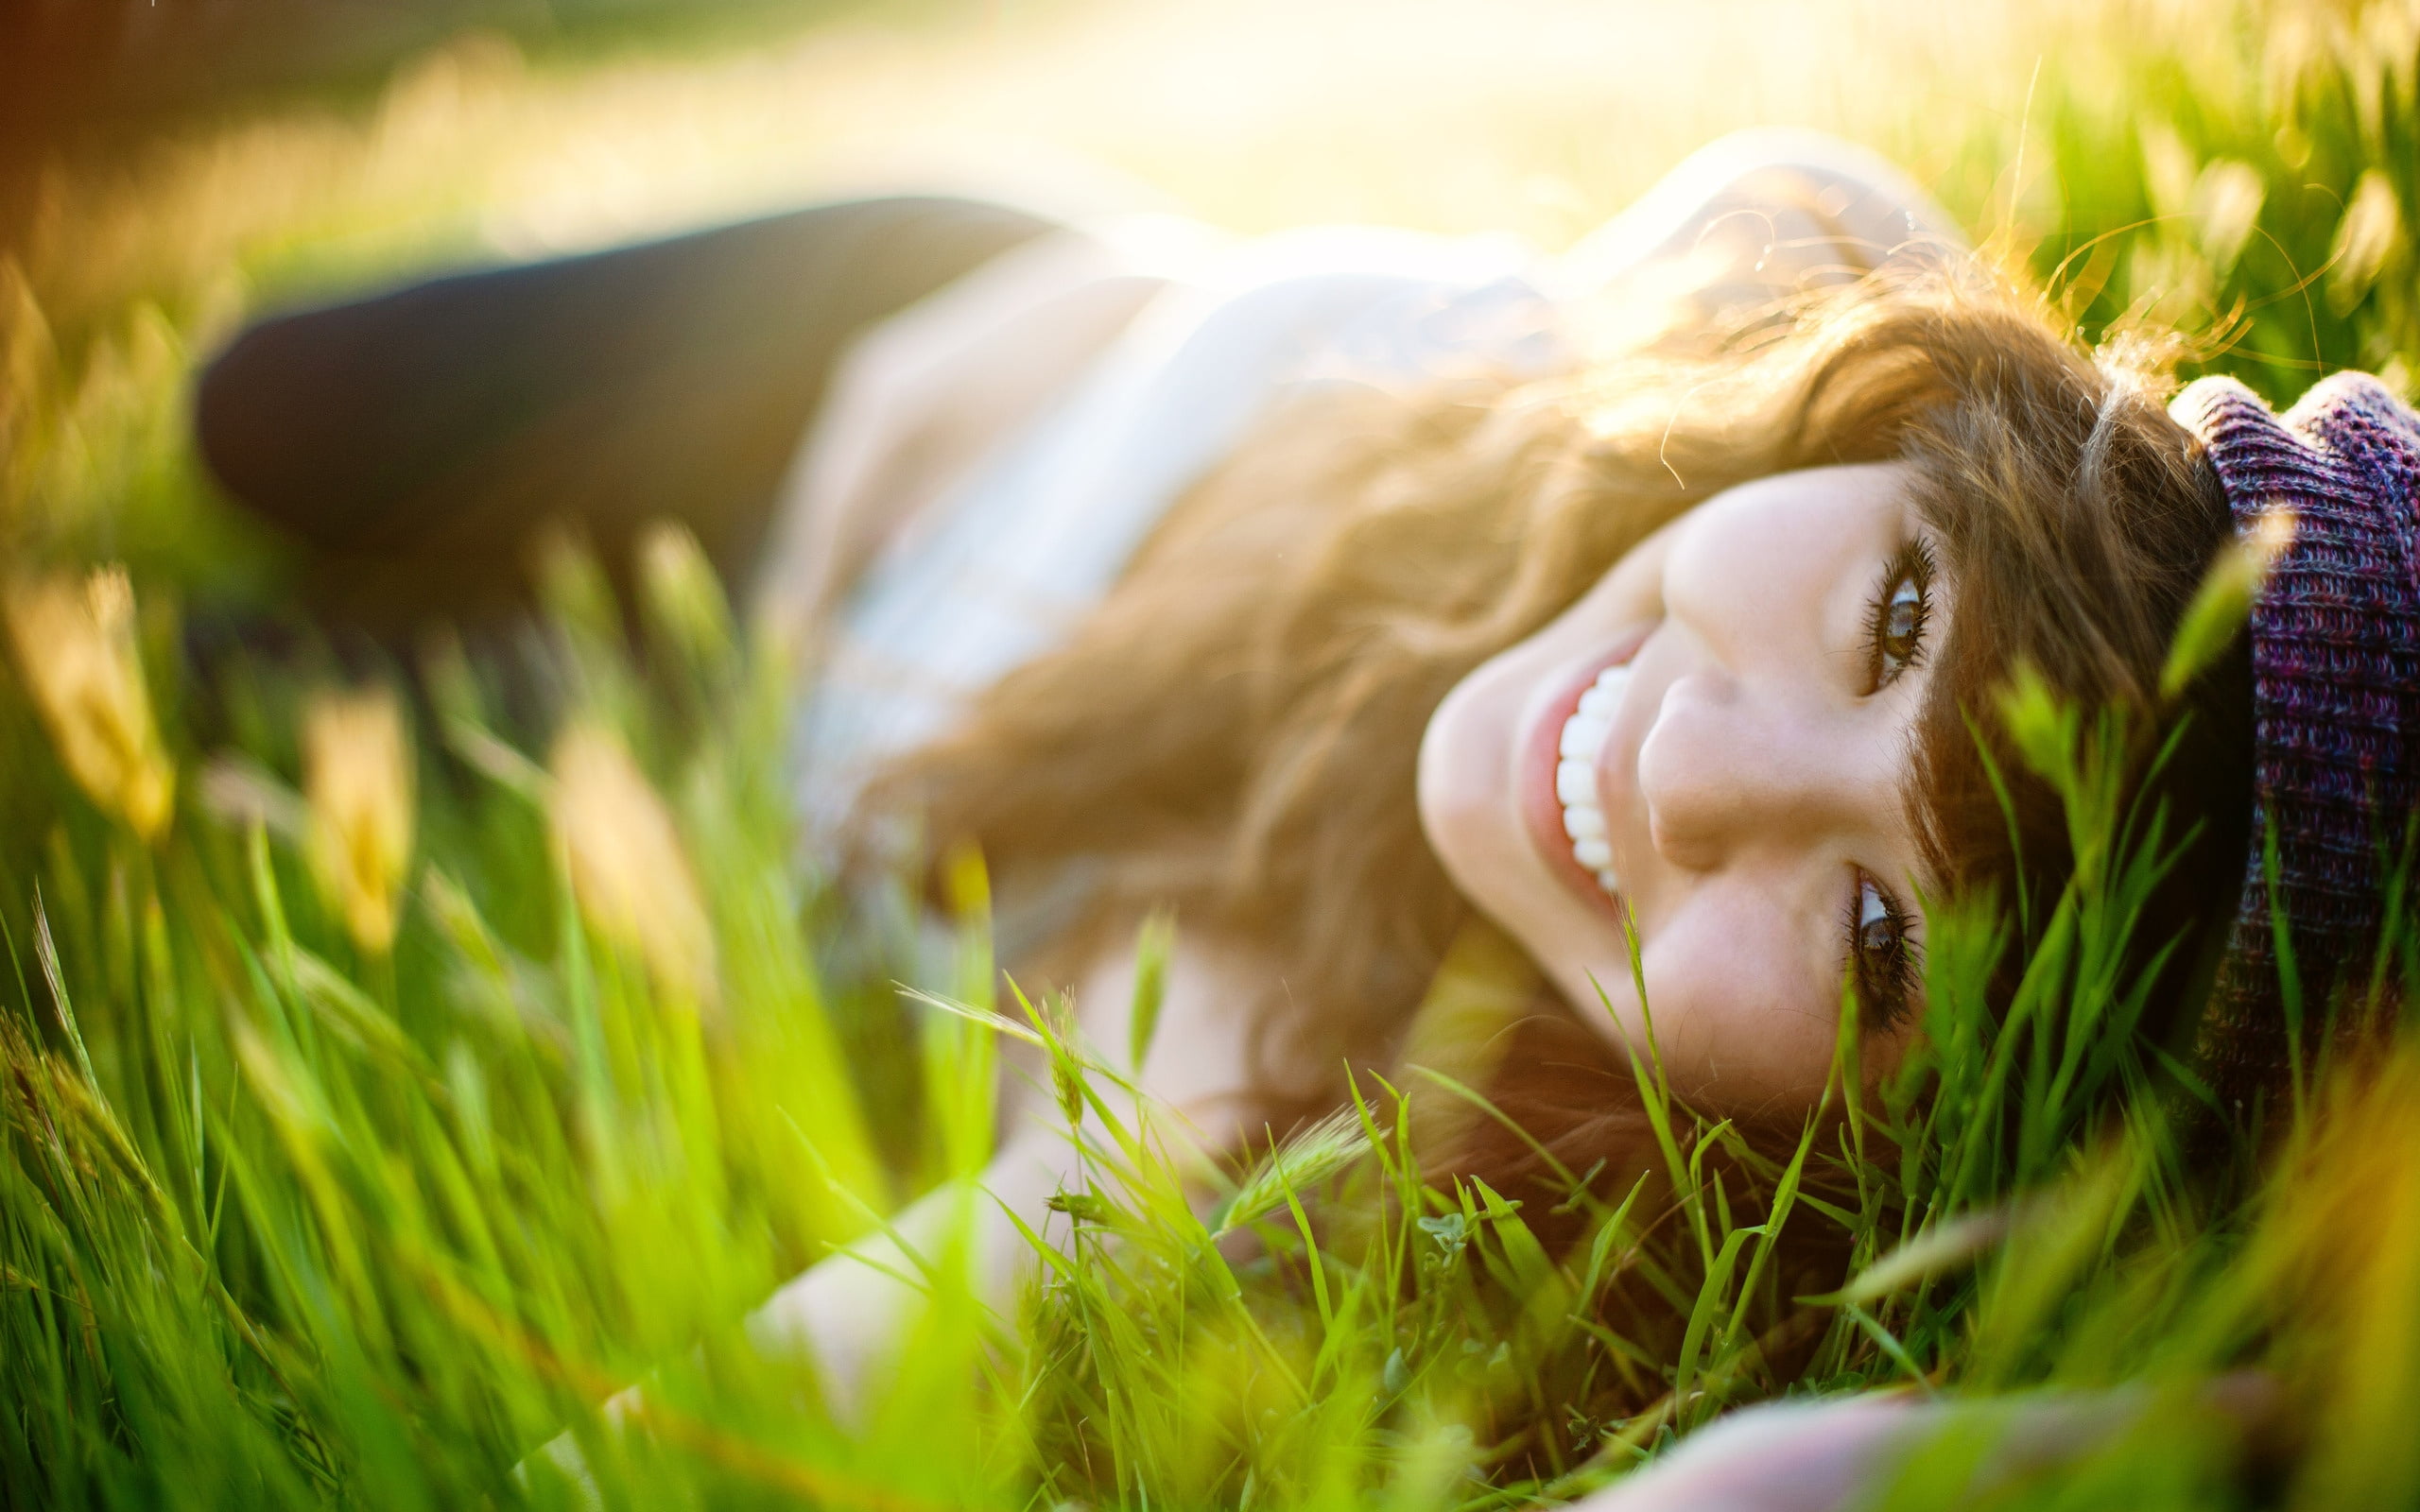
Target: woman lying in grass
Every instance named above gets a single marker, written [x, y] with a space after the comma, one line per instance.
[1339, 589]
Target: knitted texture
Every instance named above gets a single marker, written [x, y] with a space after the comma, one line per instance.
[2336, 702]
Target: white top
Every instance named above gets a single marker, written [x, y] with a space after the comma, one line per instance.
[1005, 560]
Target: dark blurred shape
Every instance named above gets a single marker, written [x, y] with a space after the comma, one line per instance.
[87, 75]
[414, 441]
[75, 62]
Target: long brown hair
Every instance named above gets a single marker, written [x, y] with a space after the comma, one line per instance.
[1235, 730]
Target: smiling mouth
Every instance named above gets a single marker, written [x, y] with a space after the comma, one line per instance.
[1574, 775]
[1561, 796]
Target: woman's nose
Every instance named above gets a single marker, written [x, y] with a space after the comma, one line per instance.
[1723, 763]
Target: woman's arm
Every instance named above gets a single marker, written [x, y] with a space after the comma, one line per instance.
[1842, 1452]
[847, 1312]
[846, 1315]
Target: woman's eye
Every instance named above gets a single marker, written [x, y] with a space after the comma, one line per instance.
[1902, 603]
[1878, 923]
[1882, 961]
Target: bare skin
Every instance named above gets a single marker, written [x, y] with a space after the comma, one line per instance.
[846, 1311]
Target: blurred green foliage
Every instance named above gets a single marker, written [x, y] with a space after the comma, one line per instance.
[2251, 182]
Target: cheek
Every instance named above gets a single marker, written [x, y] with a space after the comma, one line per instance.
[1739, 1024]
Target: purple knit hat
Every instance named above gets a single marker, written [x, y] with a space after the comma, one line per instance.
[2336, 697]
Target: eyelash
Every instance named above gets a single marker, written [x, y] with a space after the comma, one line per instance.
[1910, 566]
[1886, 977]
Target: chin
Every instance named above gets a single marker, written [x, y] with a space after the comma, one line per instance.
[1464, 789]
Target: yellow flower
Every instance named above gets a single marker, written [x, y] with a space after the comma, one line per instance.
[75, 648]
[628, 871]
[357, 775]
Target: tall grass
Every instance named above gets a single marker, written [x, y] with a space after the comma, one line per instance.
[353, 1157]
[293, 1218]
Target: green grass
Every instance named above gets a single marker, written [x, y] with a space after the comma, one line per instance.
[285, 1221]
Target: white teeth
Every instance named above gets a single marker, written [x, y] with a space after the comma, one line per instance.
[1575, 774]
[1575, 783]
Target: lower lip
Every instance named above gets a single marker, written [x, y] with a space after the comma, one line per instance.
[1541, 809]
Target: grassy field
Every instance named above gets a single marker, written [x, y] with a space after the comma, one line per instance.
[386, 1086]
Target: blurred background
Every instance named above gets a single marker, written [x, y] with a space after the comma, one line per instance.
[529, 124]
[2239, 170]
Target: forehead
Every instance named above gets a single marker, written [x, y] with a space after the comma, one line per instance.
[1879, 488]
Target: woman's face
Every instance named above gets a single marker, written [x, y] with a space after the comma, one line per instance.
[1715, 737]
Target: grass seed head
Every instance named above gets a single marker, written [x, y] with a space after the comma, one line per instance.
[76, 649]
[357, 776]
[628, 873]
[1313, 1156]
[2369, 242]
[684, 595]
